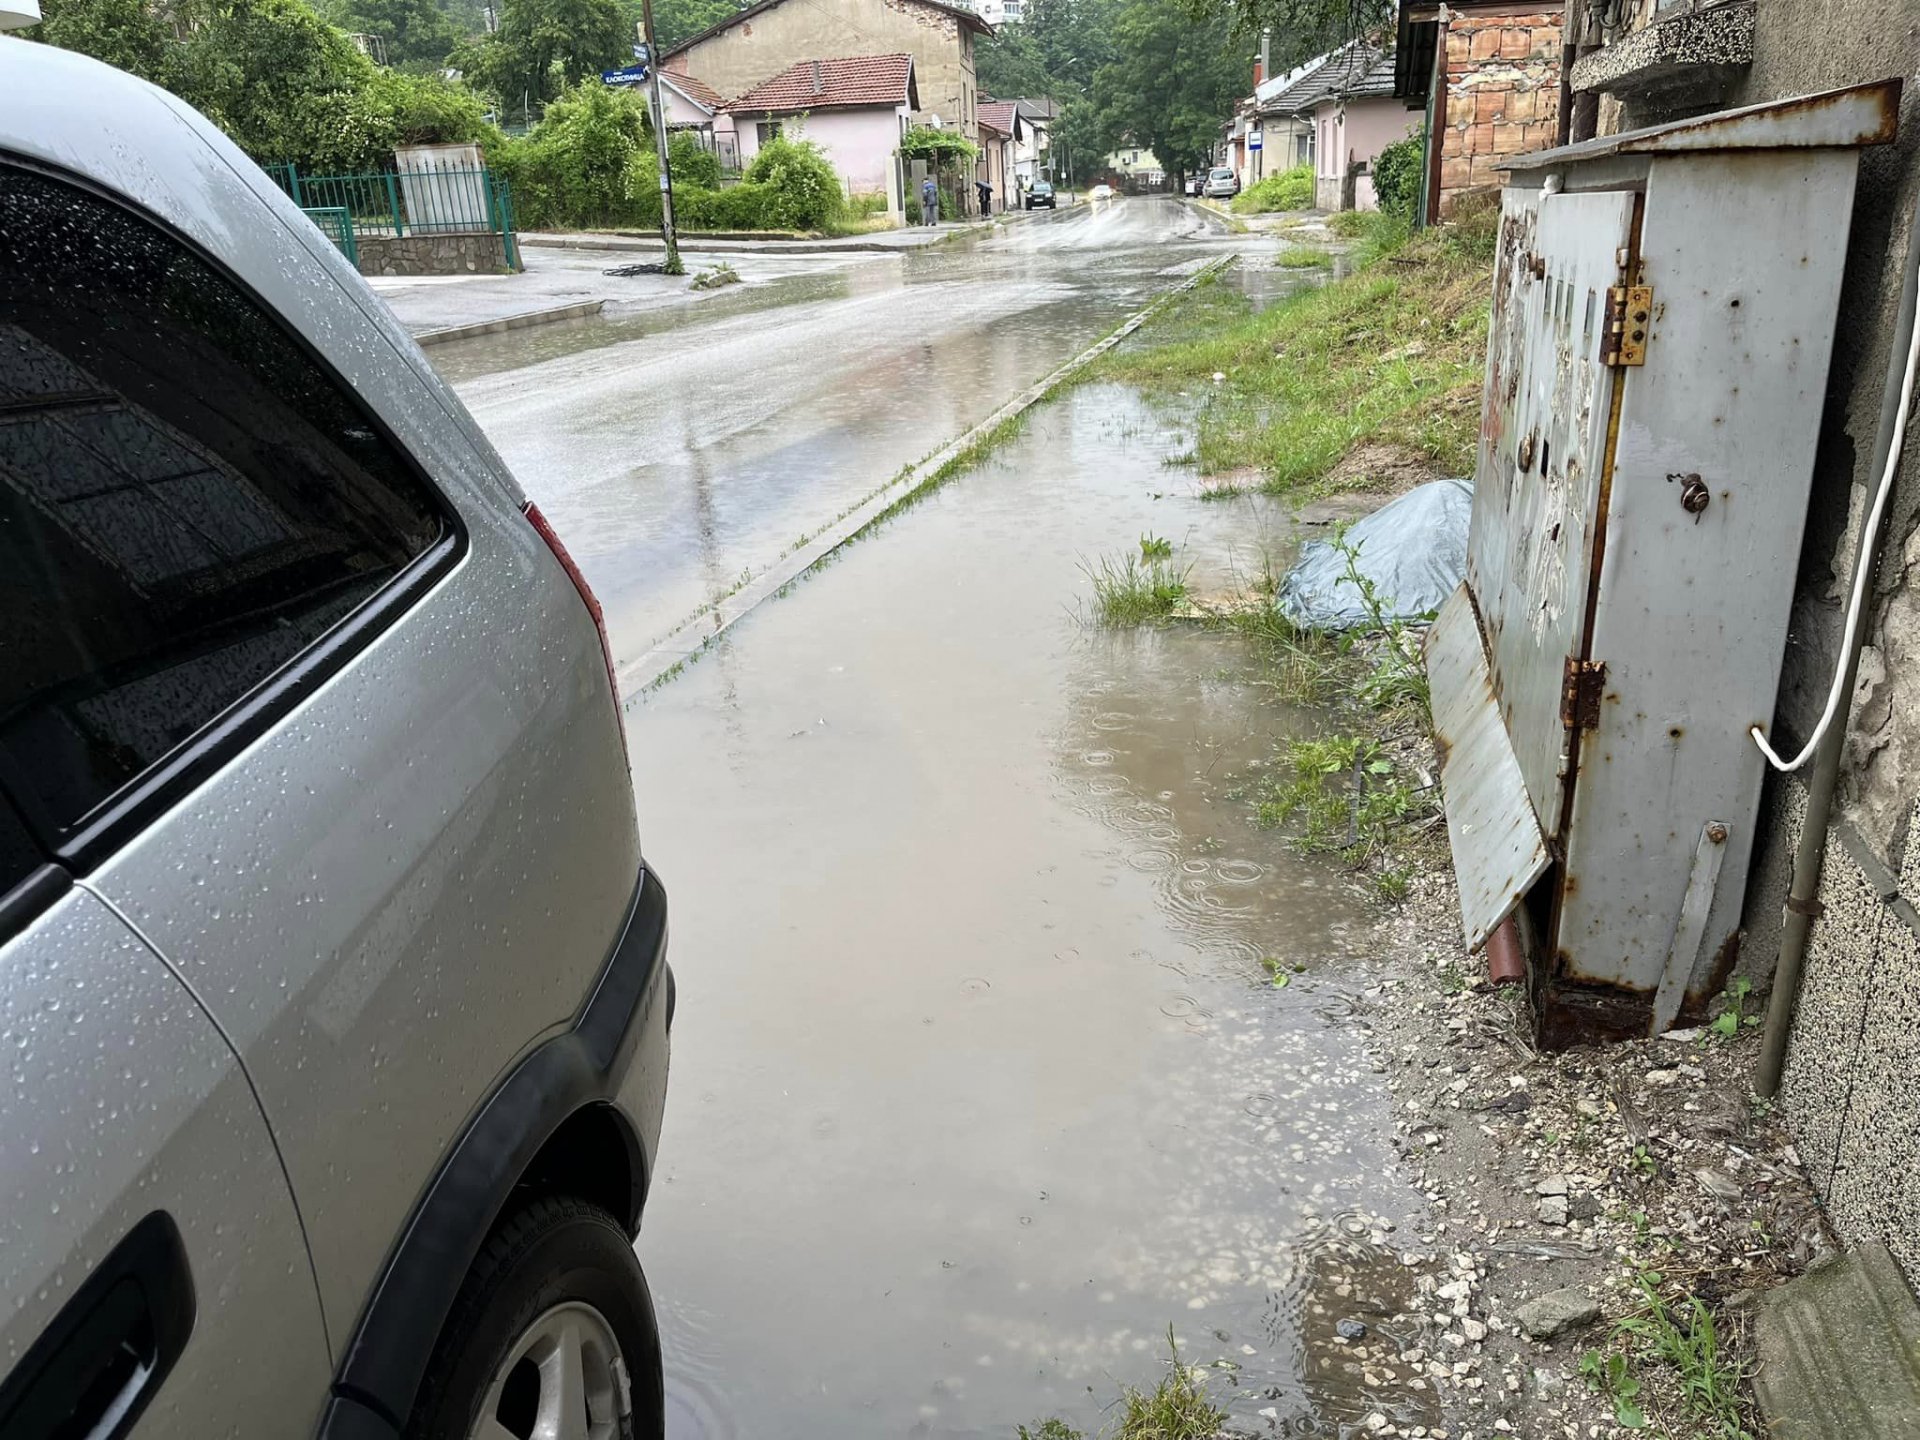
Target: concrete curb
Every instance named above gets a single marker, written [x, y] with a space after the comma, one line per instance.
[694, 634]
[578, 311]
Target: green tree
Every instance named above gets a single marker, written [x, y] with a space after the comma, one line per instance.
[1054, 51]
[1172, 82]
[419, 34]
[677, 20]
[1301, 29]
[125, 33]
[543, 46]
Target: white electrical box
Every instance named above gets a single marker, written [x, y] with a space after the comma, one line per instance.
[1663, 315]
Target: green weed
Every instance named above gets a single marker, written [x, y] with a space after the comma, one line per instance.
[1136, 591]
[1303, 257]
[1684, 1338]
[1052, 1428]
[1609, 1374]
[1178, 1408]
[1346, 794]
[1727, 1023]
[1153, 547]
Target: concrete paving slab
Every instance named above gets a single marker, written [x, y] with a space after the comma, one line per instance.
[1840, 1352]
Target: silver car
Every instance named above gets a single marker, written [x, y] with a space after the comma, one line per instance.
[333, 992]
[1221, 184]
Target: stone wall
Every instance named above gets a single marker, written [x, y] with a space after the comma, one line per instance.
[1503, 95]
[464, 254]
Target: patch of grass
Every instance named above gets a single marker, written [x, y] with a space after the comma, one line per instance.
[1154, 547]
[1137, 591]
[1052, 1428]
[1178, 1408]
[1346, 795]
[1670, 1357]
[1392, 353]
[1303, 257]
[1289, 190]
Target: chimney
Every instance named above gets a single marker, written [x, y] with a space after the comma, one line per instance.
[1266, 58]
[819, 83]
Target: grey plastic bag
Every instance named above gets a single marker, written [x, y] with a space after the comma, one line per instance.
[1413, 549]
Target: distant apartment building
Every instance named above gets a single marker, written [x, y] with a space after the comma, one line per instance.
[999, 12]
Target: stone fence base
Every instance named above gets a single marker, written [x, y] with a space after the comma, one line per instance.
[465, 253]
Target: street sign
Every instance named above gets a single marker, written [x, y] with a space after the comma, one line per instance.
[642, 54]
[632, 75]
[1254, 140]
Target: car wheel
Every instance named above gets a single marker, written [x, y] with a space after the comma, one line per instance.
[552, 1335]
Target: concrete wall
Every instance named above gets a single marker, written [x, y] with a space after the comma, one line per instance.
[757, 49]
[474, 253]
[859, 143]
[1852, 1086]
[1503, 93]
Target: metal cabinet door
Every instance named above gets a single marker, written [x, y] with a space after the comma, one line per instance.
[132, 1150]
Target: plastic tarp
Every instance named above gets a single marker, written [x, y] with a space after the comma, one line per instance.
[1413, 550]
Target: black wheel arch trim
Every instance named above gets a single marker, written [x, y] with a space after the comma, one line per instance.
[381, 1368]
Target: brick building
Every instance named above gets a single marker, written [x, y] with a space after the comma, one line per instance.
[1489, 74]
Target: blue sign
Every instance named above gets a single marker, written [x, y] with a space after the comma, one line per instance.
[632, 75]
[1254, 140]
[642, 54]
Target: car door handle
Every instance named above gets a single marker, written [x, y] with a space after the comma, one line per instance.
[100, 1362]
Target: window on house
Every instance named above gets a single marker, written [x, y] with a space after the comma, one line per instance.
[769, 131]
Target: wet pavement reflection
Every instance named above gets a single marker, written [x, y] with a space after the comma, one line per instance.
[677, 450]
[978, 1084]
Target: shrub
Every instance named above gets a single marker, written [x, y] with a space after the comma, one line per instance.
[1289, 190]
[1396, 176]
[572, 168]
[695, 172]
[803, 190]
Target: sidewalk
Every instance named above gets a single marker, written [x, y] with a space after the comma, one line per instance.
[565, 284]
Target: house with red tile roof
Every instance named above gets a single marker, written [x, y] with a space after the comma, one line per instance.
[854, 107]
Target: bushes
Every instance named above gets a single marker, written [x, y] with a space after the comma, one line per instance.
[1396, 176]
[802, 190]
[1289, 190]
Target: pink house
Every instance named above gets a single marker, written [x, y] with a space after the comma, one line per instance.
[855, 109]
[1348, 101]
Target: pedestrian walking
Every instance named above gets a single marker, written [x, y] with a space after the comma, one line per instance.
[986, 198]
[929, 202]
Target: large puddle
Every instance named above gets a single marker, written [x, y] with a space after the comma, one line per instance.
[678, 450]
[978, 1087]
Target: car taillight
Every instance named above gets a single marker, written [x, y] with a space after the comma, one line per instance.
[546, 533]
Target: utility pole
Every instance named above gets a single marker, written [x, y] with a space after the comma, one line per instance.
[667, 231]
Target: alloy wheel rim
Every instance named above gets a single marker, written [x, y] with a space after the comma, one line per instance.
[564, 1378]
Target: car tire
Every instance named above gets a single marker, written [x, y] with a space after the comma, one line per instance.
[556, 1289]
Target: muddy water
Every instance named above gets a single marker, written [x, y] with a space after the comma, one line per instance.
[977, 1083]
[677, 451]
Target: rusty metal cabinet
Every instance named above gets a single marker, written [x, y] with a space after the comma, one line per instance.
[1663, 314]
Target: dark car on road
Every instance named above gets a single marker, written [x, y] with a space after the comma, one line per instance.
[1041, 194]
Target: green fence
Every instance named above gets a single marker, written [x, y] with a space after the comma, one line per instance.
[388, 204]
[337, 225]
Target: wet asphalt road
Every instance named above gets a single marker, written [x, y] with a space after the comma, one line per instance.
[676, 451]
[977, 1087]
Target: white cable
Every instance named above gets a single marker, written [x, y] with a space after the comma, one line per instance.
[1863, 572]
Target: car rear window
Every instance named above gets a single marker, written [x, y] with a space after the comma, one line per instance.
[187, 500]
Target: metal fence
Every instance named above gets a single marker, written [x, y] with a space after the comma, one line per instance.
[389, 204]
[337, 225]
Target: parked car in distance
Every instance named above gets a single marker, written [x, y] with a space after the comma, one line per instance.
[1100, 192]
[1221, 184]
[337, 979]
[1040, 193]
[1193, 185]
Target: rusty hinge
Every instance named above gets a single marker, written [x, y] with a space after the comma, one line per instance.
[1629, 318]
[1581, 689]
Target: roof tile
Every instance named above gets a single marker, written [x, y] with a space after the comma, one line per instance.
[852, 81]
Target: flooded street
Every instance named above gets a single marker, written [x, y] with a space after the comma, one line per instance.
[679, 450]
[978, 1084]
